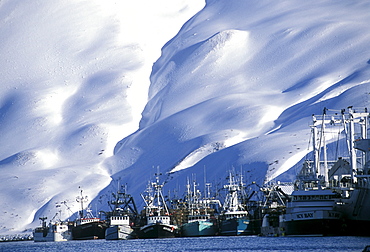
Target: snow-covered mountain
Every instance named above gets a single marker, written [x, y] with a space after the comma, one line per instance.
[236, 87]
[74, 81]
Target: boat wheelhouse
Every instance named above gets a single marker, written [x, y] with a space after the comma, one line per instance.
[54, 231]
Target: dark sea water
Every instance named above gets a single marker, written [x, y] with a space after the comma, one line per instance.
[246, 243]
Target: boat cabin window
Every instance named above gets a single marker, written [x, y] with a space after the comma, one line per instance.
[119, 217]
[313, 197]
[235, 215]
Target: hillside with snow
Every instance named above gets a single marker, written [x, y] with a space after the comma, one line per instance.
[74, 81]
[81, 103]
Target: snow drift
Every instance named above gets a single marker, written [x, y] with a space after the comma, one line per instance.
[74, 80]
[237, 86]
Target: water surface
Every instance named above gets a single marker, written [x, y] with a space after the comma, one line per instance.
[219, 243]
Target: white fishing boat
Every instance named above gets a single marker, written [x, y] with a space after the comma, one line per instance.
[355, 204]
[329, 198]
[52, 232]
[120, 228]
[122, 218]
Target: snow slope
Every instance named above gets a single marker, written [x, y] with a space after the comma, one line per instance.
[74, 80]
[236, 87]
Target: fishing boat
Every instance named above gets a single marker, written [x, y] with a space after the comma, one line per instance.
[313, 208]
[54, 231]
[331, 201]
[122, 218]
[87, 226]
[234, 219]
[200, 222]
[312, 211]
[355, 187]
[120, 228]
[274, 205]
[157, 219]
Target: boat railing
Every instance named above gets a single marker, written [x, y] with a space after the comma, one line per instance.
[159, 219]
[314, 197]
[119, 220]
[192, 218]
[87, 220]
[236, 215]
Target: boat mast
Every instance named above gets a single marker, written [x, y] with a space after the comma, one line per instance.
[362, 120]
[157, 188]
[364, 128]
[81, 200]
[189, 197]
[353, 158]
[321, 170]
[231, 202]
[195, 198]
[158, 194]
[316, 159]
[325, 168]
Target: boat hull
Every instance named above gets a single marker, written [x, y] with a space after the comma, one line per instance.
[89, 231]
[199, 228]
[356, 213]
[118, 232]
[236, 226]
[357, 228]
[157, 230]
[52, 233]
[312, 223]
[52, 237]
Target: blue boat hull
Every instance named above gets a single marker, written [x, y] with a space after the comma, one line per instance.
[236, 226]
[199, 228]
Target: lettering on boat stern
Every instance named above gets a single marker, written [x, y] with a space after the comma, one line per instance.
[305, 216]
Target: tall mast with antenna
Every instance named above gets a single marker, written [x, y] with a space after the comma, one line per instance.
[81, 199]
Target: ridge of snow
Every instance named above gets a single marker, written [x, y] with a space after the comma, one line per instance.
[248, 75]
[74, 81]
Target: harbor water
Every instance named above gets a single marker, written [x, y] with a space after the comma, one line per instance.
[218, 243]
